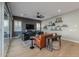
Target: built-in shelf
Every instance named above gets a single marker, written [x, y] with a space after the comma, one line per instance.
[54, 25]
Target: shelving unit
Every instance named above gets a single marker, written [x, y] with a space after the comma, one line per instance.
[55, 25]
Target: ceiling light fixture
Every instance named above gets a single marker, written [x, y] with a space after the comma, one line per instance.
[59, 11]
[39, 15]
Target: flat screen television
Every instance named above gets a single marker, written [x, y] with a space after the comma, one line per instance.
[29, 26]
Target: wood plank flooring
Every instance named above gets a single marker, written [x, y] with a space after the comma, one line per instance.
[18, 49]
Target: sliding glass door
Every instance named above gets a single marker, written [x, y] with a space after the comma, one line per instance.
[6, 30]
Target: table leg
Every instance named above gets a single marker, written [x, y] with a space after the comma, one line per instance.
[51, 46]
[48, 43]
[60, 42]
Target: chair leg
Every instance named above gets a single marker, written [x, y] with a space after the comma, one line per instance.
[60, 43]
[40, 48]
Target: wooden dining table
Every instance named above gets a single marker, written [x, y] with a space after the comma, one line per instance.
[50, 39]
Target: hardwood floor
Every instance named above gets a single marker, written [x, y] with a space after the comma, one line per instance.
[19, 49]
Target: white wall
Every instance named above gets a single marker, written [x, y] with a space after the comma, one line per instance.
[72, 20]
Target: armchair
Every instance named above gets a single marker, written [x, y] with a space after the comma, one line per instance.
[40, 41]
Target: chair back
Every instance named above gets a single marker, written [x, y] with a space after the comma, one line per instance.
[42, 37]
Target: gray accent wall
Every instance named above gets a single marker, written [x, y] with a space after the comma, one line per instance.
[26, 21]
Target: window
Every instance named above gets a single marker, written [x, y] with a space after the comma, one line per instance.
[17, 28]
[37, 26]
[17, 25]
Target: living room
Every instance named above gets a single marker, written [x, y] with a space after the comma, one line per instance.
[41, 29]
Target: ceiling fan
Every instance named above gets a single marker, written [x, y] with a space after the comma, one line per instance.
[39, 15]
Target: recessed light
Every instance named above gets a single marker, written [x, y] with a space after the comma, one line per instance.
[59, 10]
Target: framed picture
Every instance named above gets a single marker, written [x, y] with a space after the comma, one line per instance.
[58, 19]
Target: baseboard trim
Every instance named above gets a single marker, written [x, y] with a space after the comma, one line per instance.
[70, 40]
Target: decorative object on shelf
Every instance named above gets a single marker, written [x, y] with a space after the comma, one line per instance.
[54, 26]
[64, 25]
[45, 27]
[56, 29]
[58, 20]
[39, 15]
[51, 24]
[59, 27]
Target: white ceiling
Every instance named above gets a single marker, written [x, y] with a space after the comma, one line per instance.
[48, 9]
